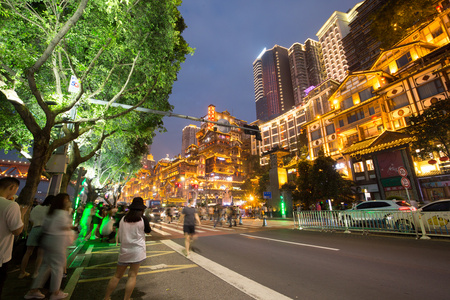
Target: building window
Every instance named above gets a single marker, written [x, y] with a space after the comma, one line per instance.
[358, 167]
[369, 165]
[404, 60]
[366, 94]
[355, 116]
[330, 129]
[398, 102]
[341, 122]
[371, 110]
[315, 135]
[347, 103]
[430, 89]
[274, 139]
[333, 146]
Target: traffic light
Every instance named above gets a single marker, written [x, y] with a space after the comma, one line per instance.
[253, 130]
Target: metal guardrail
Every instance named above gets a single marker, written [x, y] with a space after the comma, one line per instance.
[421, 224]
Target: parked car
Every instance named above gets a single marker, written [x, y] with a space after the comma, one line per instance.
[435, 216]
[379, 214]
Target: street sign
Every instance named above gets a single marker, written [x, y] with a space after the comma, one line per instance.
[402, 171]
[405, 182]
[267, 195]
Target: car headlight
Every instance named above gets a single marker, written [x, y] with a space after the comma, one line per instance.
[152, 215]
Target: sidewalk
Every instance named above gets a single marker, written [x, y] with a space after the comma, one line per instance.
[166, 274]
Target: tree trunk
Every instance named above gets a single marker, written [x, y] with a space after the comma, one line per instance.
[41, 155]
[70, 170]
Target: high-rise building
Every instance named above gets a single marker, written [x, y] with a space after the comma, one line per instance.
[330, 37]
[273, 85]
[360, 47]
[307, 68]
[299, 74]
[314, 63]
[188, 138]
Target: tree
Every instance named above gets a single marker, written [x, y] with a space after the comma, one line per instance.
[319, 181]
[396, 18]
[126, 52]
[431, 130]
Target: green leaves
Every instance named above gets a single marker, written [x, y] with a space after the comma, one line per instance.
[431, 128]
[121, 51]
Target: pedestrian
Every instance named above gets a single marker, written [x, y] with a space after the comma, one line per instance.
[216, 215]
[229, 212]
[37, 217]
[97, 221]
[57, 235]
[11, 223]
[133, 227]
[107, 226]
[117, 217]
[169, 212]
[189, 217]
[86, 219]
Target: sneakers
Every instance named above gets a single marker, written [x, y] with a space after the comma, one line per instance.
[23, 275]
[34, 295]
[60, 295]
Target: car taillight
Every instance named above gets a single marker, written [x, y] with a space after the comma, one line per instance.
[412, 208]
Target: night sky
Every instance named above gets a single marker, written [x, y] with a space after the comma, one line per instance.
[228, 36]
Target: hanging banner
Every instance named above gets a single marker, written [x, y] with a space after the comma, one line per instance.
[74, 86]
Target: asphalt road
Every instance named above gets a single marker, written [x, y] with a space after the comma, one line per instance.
[320, 265]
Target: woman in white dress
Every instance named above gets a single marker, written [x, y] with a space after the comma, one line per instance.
[132, 230]
[37, 217]
[57, 235]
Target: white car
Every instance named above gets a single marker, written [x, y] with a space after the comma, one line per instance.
[378, 214]
[435, 216]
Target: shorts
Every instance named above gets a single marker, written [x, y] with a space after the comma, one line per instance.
[189, 229]
[96, 220]
[129, 263]
[34, 236]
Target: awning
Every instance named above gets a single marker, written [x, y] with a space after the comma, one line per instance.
[387, 140]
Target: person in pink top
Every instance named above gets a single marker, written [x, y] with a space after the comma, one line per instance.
[132, 229]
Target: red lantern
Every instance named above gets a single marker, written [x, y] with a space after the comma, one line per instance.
[432, 161]
[443, 158]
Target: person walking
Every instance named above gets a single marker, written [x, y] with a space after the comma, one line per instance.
[11, 223]
[189, 217]
[57, 235]
[217, 212]
[133, 227]
[86, 219]
[37, 217]
[97, 221]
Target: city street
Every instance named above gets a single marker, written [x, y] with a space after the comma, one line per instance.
[272, 262]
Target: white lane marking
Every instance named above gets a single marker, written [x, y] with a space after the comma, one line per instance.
[178, 230]
[242, 283]
[160, 231]
[293, 243]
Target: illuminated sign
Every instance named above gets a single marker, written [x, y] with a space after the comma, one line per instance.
[211, 116]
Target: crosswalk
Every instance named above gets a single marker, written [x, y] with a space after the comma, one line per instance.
[174, 229]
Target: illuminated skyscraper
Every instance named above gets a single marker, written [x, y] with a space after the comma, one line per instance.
[360, 47]
[330, 37]
[273, 85]
[188, 138]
